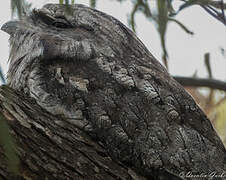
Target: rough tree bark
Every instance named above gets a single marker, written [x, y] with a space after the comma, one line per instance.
[87, 100]
[50, 150]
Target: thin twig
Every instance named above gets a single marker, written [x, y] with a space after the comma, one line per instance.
[222, 9]
[213, 12]
[214, 15]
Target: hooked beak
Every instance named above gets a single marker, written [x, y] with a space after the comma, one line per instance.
[10, 27]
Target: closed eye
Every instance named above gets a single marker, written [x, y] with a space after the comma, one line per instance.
[61, 23]
[47, 18]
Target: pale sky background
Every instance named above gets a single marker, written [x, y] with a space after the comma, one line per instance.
[185, 51]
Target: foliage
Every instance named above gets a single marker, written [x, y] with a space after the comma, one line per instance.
[161, 13]
[212, 103]
[8, 145]
[67, 2]
[2, 77]
[19, 8]
[6, 140]
[220, 119]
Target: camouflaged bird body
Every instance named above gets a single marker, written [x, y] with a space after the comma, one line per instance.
[89, 68]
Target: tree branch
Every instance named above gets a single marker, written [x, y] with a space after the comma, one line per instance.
[201, 82]
[211, 7]
[51, 147]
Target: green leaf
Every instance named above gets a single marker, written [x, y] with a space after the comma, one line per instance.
[207, 63]
[132, 17]
[92, 3]
[193, 2]
[61, 1]
[171, 10]
[6, 141]
[181, 25]
[68, 7]
[19, 7]
[2, 76]
[162, 26]
[67, 2]
[16, 7]
[187, 4]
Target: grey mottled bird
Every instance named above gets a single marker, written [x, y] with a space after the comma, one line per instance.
[89, 68]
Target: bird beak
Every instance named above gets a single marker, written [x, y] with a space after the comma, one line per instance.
[10, 27]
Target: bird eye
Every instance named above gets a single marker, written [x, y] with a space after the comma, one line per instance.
[59, 25]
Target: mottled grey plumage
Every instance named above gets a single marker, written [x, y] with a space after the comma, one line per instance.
[91, 69]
